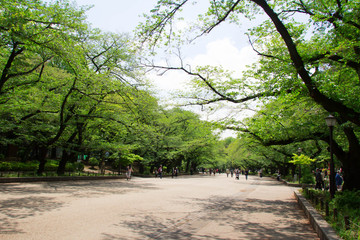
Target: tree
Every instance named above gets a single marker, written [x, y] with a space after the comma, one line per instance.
[57, 73]
[35, 37]
[176, 138]
[323, 67]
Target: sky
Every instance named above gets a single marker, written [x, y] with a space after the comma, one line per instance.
[226, 45]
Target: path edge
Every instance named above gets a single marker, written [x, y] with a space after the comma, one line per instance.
[322, 228]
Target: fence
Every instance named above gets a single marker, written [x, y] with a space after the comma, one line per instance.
[340, 221]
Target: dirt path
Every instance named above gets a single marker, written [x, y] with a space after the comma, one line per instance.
[201, 207]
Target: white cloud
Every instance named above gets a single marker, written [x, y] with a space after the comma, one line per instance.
[222, 52]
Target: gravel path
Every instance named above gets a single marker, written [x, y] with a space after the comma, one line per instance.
[194, 207]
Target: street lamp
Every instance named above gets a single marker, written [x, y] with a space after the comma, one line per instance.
[299, 152]
[330, 122]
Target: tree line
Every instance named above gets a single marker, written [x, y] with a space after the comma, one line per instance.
[308, 68]
[65, 85]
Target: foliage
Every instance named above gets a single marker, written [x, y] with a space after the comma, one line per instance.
[307, 176]
[308, 68]
[348, 202]
[18, 166]
[301, 159]
[75, 167]
[32, 166]
[93, 161]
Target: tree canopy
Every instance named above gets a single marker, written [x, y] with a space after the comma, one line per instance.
[308, 69]
[67, 86]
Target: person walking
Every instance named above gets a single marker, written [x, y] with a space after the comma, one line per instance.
[128, 172]
[176, 171]
[338, 180]
[237, 174]
[246, 174]
[227, 172]
[160, 171]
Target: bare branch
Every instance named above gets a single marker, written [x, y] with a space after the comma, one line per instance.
[222, 19]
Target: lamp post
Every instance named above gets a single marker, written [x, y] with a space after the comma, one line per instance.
[299, 152]
[330, 122]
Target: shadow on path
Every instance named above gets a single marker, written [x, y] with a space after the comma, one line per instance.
[26, 200]
[225, 219]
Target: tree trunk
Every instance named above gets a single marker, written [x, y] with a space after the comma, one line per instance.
[187, 165]
[61, 168]
[42, 158]
[351, 170]
[141, 168]
[53, 153]
[12, 152]
[350, 160]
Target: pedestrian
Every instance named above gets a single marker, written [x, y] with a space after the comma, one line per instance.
[232, 172]
[318, 179]
[246, 174]
[326, 179]
[128, 172]
[237, 174]
[338, 180]
[176, 171]
[227, 172]
[160, 171]
[323, 179]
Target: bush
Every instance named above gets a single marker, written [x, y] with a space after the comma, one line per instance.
[5, 166]
[18, 166]
[74, 167]
[307, 176]
[93, 161]
[348, 202]
[51, 165]
[308, 179]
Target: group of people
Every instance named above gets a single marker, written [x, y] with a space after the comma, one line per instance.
[159, 172]
[210, 171]
[322, 179]
[237, 173]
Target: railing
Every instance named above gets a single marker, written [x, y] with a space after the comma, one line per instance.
[340, 221]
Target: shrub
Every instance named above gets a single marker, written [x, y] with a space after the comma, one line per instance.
[308, 179]
[51, 165]
[93, 161]
[74, 167]
[5, 166]
[18, 166]
[348, 202]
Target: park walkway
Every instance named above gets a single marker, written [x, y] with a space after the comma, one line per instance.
[194, 207]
